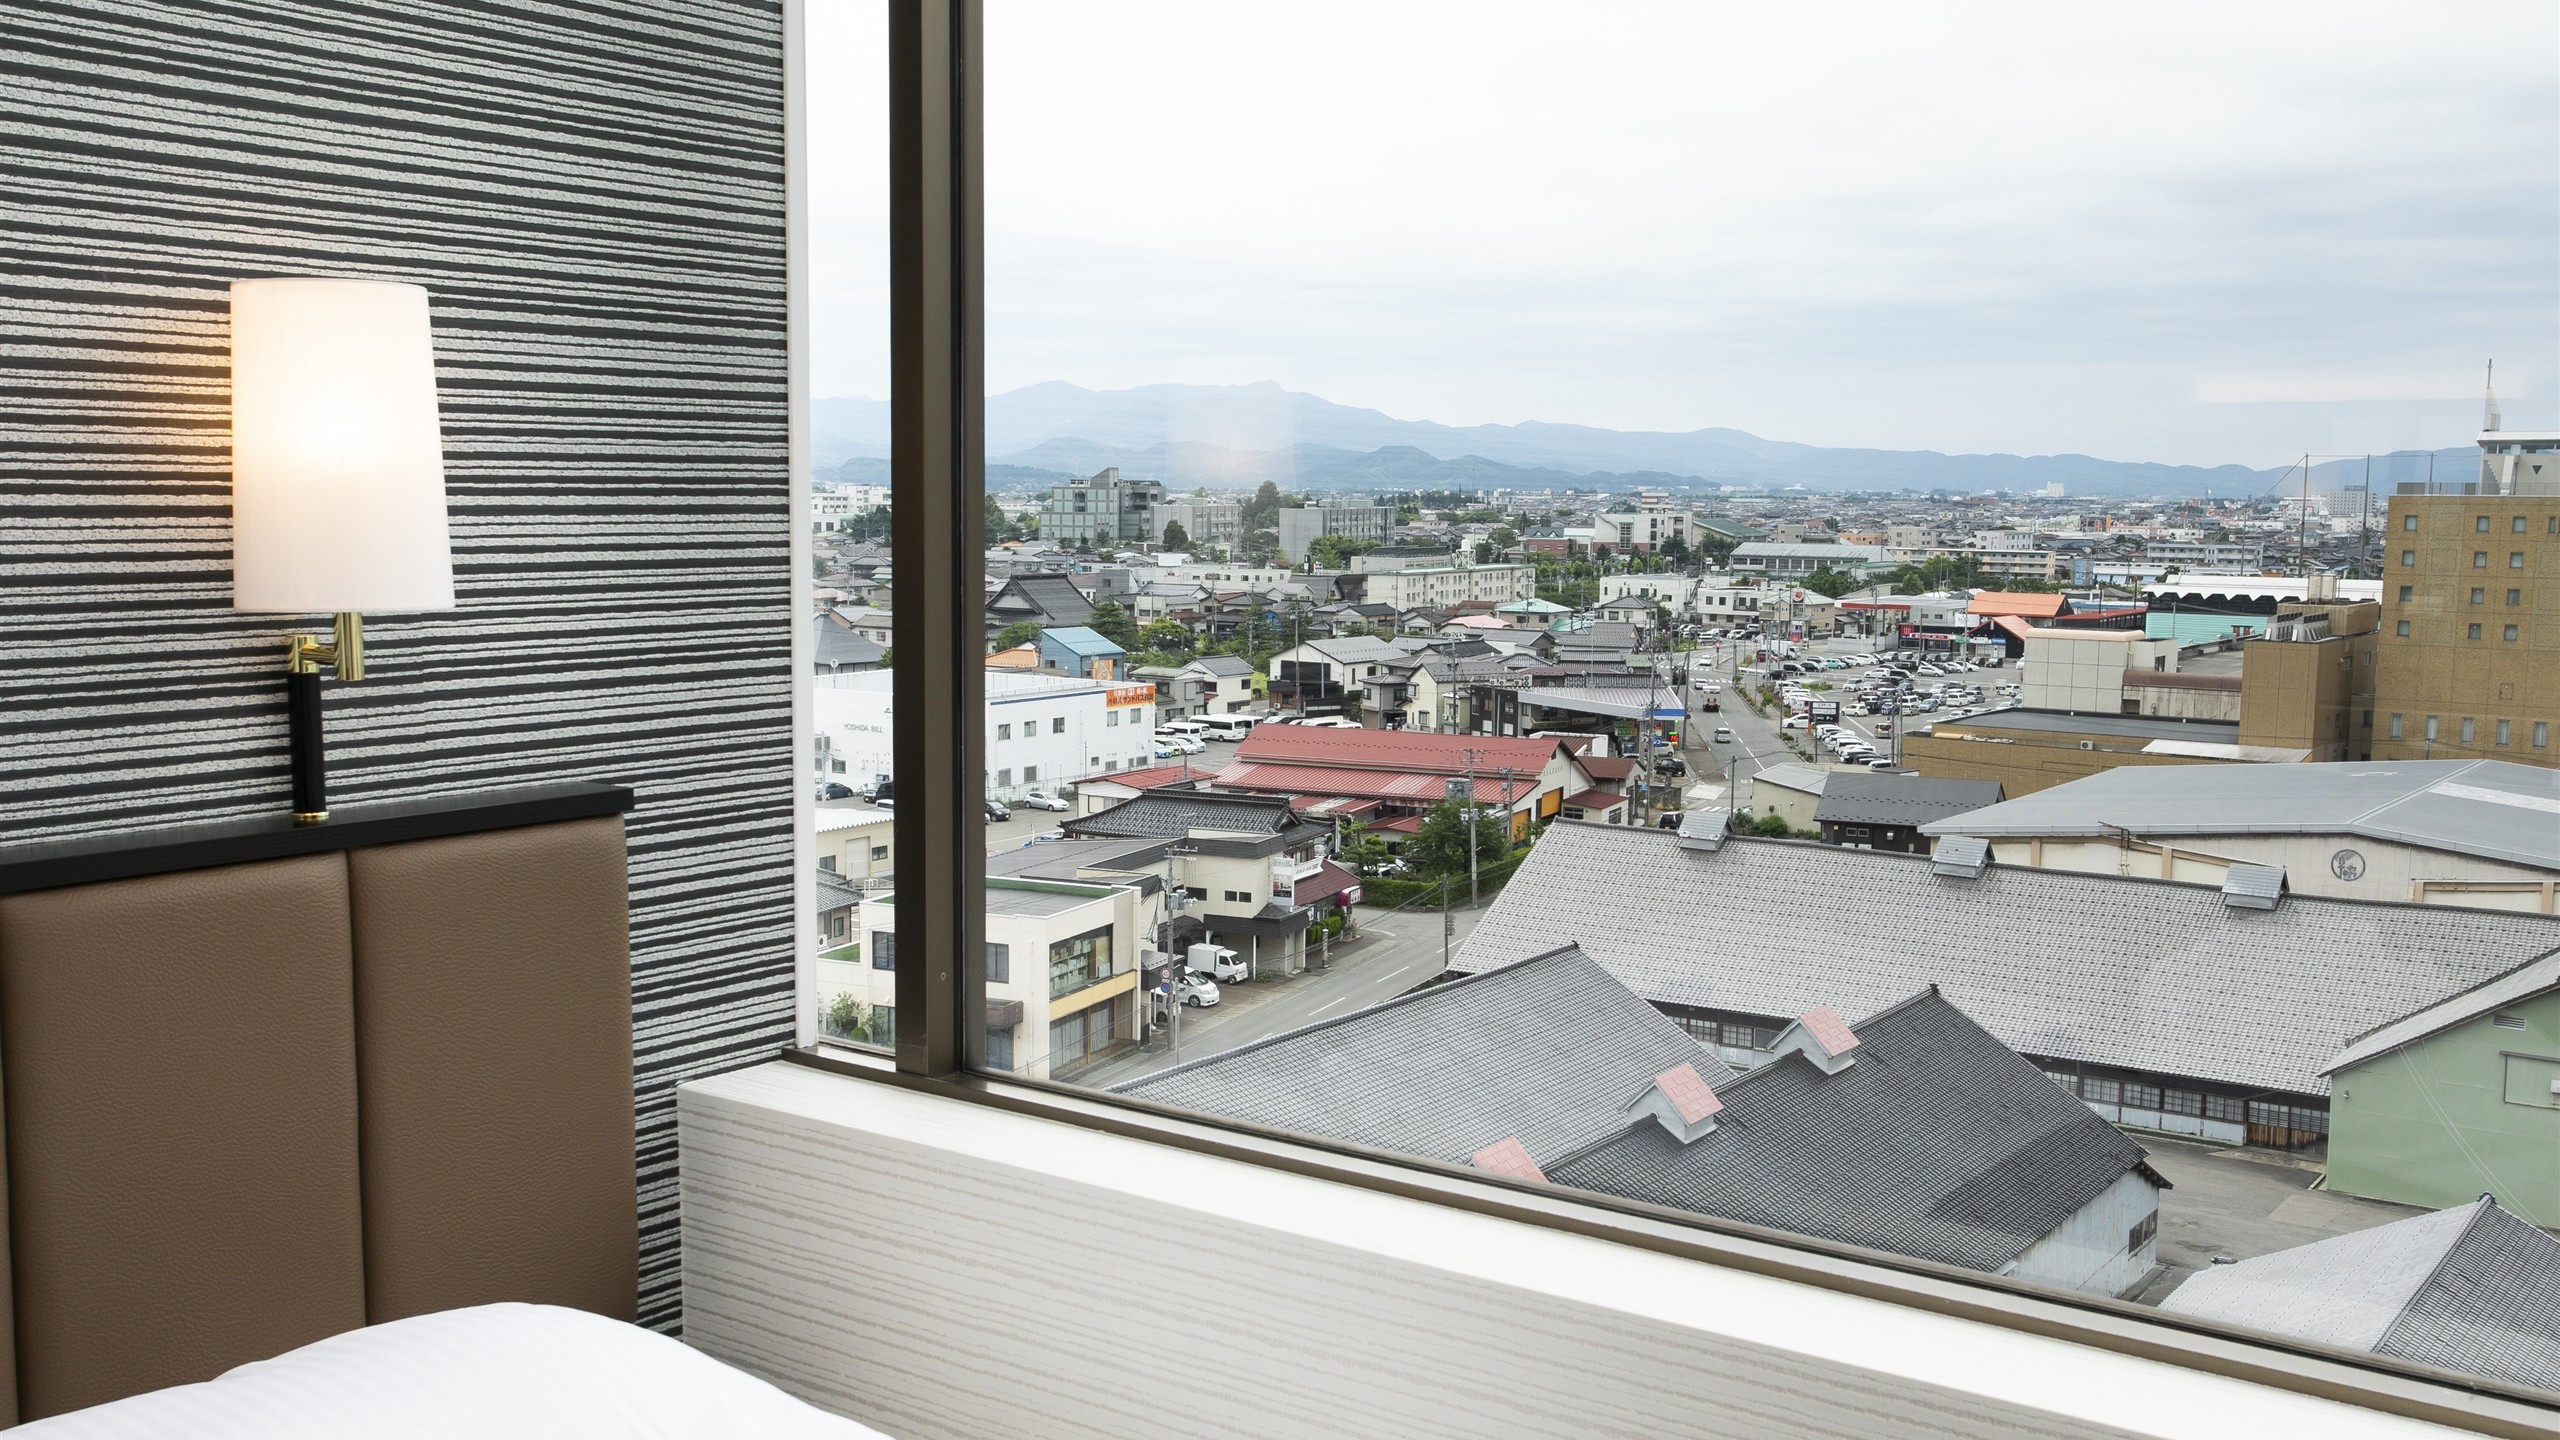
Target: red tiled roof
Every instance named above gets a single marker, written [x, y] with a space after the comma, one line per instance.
[1507, 1156]
[1150, 778]
[1409, 751]
[1828, 1030]
[1595, 800]
[1402, 825]
[1609, 767]
[2014, 626]
[1688, 1093]
[1304, 780]
[1326, 883]
[2002, 602]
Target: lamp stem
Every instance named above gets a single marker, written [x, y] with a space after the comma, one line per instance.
[310, 763]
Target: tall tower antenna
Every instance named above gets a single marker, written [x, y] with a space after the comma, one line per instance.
[2489, 412]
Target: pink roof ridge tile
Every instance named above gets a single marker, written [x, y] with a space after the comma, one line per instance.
[1507, 1156]
[1828, 1030]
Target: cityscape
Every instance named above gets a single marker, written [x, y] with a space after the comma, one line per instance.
[2149, 898]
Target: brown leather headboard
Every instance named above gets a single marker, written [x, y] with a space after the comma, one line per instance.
[253, 1105]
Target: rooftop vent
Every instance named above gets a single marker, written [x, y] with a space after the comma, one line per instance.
[1507, 1156]
[1704, 829]
[1682, 1100]
[1821, 1036]
[2253, 887]
[1961, 857]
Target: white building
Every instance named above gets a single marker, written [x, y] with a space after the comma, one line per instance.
[1654, 523]
[1438, 587]
[1062, 973]
[1301, 526]
[1044, 730]
[2231, 557]
[1794, 562]
[830, 509]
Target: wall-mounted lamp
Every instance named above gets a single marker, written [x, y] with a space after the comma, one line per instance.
[337, 478]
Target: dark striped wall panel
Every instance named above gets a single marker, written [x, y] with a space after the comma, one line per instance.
[592, 192]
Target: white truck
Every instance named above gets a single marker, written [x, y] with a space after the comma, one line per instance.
[1215, 961]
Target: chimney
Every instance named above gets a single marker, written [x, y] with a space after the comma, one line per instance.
[1681, 1099]
[1507, 1156]
[1821, 1036]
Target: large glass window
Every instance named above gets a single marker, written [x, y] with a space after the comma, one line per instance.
[1464, 420]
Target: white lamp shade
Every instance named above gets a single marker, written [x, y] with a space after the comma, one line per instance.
[337, 466]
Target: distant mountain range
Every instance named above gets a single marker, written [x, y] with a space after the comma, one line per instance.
[1237, 436]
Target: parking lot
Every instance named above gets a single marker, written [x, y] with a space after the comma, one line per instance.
[2242, 1203]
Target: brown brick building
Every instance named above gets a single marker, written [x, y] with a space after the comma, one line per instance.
[2469, 652]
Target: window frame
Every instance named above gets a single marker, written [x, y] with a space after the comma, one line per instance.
[937, 411]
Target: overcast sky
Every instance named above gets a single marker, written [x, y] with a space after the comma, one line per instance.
[2200, 233]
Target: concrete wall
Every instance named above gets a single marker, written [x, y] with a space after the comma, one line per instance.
[2432, 1124]
[2087, 1252]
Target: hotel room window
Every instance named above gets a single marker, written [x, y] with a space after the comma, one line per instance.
[1229, 441]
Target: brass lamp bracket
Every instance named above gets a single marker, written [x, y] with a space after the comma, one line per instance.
[342, 653]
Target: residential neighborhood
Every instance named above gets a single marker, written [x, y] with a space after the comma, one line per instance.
[2123, 899]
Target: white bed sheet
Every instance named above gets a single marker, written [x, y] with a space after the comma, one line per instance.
[490, 1372]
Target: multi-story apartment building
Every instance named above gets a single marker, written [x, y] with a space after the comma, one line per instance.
[1652, 524]
[2230, 557]
[1102, 509]
[830, 509]
[2469, 656]
[1302, 526]
[1437, 587]
[1203, 522]
[1785, 561]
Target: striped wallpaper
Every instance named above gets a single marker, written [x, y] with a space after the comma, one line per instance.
[592, 191]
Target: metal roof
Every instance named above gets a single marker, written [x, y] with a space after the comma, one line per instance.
[1940, 1143]
[1611, 701]
[1961, 857]
[2488, 808]
[1547, 1050]
[2253, 887]
[2145, 727]
[2145, 974]
[1796, 777]
[1856, 799]
[2532, 978]
[2471, 1289]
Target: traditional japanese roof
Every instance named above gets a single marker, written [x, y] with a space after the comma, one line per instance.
[2538, 976]
[1939, 1143]
[1172, 814]
[2143, 974]
[1547, 1051]
[2471, 1289]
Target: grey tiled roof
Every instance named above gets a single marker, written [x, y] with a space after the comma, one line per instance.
[2472, 1289]
[1171, 814]
[1939, 1142]
[1224, 665]
[2146, 974]
[1056, 597]
[1901, 799]
[838, 646]
[2533, 978]
[1549, 1050]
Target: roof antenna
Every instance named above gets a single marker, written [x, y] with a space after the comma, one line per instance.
[2489, 412]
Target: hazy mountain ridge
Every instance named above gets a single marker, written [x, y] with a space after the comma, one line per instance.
[1240, 435]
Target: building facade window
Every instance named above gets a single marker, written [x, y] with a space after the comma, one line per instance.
[1030, 773]
[2505, 732]
[2479, 595]
[2509, 633]
[2398, 724]
[884, 949]
[2471, 632]
[2466, 730]
[2515, 596]
[879, 852]
[2479, 559]
[2404, 593]
[2541, 734]
[999, 964]
[2401, 630]
[2518, 526]
[2431, 729]
[1058, 725]
[2408, 522]
[2515, 559]
[1079, 961]
[2481, 524]
[1112, 718]
[1000, 1049]
[2408, 558]
[1004, 732]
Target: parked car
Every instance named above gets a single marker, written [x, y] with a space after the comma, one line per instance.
[1194, 990]
[1665, 763]
[1880, 766]
[998, 813]
[835, 790]
[1041, 800]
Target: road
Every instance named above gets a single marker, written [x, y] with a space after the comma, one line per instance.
[1396, 951]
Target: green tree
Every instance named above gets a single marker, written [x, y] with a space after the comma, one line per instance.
[1113, 623]
[1169, 636]
[1175, 537]
[1365, 852]
[1504, 537]
[1334, 552]
[846, 1018]
[1773, 826]
[1440, 846]
[1828, 582]
[1020, 632]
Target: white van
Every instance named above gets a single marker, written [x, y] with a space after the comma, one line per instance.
[1193, 729]
[1227, 727]
[1215, 961]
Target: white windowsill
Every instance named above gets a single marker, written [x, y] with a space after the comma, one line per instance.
[937, 1267]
